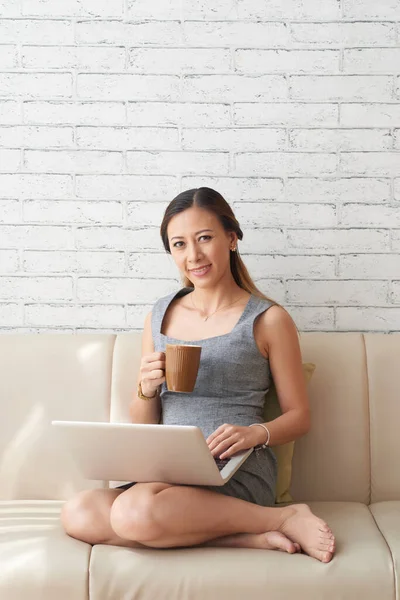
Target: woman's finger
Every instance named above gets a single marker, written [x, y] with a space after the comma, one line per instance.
[233, 449]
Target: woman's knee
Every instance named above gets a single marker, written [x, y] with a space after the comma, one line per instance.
[84, 513]
[134, 515]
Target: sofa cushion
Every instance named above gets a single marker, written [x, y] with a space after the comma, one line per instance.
[361, 567]
[383, 359]
[46, 377]
[38, 560]
[387, 518]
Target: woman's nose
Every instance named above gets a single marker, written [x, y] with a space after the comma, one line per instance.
[193, 252]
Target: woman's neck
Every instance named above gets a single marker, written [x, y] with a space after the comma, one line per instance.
[208, 300]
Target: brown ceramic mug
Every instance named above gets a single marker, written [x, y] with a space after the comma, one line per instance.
[181, 367]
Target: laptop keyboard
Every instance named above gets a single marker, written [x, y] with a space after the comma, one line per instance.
[221, 462]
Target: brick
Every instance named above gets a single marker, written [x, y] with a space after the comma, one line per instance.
[284, 61]
[278, 214]
[290, 114]
[231, 33]
[155, 33]
[20, 136]
[371, 60]
[186, 114]
[272, 288]
[36, 85]
[397, 139]
[329, 88]
[9, 8]
[36, 288]
[330, 140]
[9, 261]
[118, 187]
[363, 115]
[234, 139]
[377, 319]
[340, 292]
[10, 315]
[341, 189]
[80, 161]
[290, 266]
[239, 188]
[343, 34]
[126, 138]
[24, 185]
[43, 31]
[75, 211]
[289, 9]
[397, 189]
[141, 9]
[99, 263]
[174, 60]
[10, 112]
[373, 163]
[174, 9]
[79, 113]
[313, 318]
[395, 235]
[234, 88]
[136, 314]
[386, 10]
[329, 240]
[169, 163]
[93, 315]
[143, 214]
[72, 57]
[10, 160]
[152, 266]
[261, 241]
[368, 266]
[73, 8]
[395, 295]
[8, 57]
[370, 215]
[127, 86]
[117, 238]
[123, 289]
[279, 163]
[10, 211]
[26, 236]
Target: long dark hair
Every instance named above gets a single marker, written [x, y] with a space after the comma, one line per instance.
[212, 201]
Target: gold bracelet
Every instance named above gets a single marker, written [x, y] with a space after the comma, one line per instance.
[142, 396]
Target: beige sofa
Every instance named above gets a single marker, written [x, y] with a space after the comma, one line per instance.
[346, 467]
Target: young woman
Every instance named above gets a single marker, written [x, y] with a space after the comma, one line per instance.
[246, 338]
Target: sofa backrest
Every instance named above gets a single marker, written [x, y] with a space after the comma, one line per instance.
[45, 377]
[348, 455]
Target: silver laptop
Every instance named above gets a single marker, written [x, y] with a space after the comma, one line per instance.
[145, 453]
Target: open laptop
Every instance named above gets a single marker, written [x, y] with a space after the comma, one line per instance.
[145, 453]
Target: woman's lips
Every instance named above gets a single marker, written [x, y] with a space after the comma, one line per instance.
[200, 272]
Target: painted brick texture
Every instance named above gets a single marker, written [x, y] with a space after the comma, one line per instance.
[109, 109]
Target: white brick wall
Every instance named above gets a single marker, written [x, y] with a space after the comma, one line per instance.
[109, 109]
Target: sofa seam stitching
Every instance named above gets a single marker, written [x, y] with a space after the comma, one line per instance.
[390, 552]
[369, 419]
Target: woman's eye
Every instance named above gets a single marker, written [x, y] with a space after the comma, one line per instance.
[207, 237]
[176, 244]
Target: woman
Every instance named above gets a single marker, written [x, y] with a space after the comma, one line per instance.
[245, 337]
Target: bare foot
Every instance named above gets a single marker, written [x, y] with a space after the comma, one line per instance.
[271, 540]
[300, 525]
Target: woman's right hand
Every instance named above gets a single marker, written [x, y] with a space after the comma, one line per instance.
[152, 372]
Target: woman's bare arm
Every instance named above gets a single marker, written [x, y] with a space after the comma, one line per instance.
[145, 411]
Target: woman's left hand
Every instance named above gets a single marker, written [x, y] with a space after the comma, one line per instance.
[229, 439]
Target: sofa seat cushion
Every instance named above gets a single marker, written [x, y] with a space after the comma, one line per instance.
[38, 560]
[362, 568]
[387, 518]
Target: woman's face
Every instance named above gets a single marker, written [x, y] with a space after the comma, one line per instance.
[200, 246]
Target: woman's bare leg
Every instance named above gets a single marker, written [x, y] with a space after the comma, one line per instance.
[86, 517]
[163, 516]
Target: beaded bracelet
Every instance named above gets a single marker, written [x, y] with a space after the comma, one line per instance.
[265, 445]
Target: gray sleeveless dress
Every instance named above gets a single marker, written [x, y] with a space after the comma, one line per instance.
[232, 381]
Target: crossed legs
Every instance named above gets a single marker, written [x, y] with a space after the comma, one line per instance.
[160, 515]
